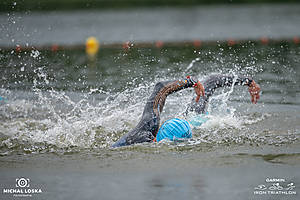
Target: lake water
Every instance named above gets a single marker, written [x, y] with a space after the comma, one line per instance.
[60, 112]
[147, 25]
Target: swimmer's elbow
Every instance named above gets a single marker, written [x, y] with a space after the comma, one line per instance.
[120, 143]
[134, 137]
[159, 85]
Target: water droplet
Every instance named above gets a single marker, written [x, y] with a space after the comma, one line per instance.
[35, 53]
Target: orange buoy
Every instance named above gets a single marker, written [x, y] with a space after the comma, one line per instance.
[296, 40]
[231, 42]
[54, 48]
[159, 44]
[126, 45]
[197, 43]
[264, 40]
[92, 46]
[18, 48]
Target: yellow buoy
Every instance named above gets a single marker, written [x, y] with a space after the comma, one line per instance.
[91, 46]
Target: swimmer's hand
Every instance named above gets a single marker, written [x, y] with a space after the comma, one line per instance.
[199, 90]
[254, 90]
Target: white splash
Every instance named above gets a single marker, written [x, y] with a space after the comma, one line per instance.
[35, 53]
[192, 64]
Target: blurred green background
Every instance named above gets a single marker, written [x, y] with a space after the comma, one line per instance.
[39, 5]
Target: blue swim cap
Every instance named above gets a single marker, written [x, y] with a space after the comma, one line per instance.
[174, 128]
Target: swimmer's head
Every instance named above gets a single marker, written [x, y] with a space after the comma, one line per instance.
[174, 129]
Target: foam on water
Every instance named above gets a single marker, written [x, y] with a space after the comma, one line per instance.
[51, 120]
[58, 119]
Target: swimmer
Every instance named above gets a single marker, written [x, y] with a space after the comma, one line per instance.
[148, 129]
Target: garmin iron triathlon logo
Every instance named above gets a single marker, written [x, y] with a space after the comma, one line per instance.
[275, 186]
[22, 188]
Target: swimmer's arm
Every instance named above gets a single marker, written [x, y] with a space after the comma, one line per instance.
[146, 129]
[253, 87]
[136, 135]
[166, 88]
[217, 81]
[156, 102]
[190, 82]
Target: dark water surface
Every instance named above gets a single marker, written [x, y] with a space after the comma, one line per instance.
[60, 112]
[215, 22]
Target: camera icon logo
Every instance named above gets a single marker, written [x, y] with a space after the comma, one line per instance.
[22, 182]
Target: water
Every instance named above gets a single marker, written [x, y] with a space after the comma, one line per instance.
[218, 22]
[61, 100]
[60, 112]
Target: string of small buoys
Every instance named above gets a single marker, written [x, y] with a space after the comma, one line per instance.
[92, 45]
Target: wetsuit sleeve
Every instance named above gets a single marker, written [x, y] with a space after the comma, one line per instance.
[214, 82]
[148, 126]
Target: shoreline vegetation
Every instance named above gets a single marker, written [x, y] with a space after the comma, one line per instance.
[59, 5]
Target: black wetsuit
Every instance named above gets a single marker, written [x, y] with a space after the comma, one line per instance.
[148, 126]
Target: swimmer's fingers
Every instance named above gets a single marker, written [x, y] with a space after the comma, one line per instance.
[202, 89]
[257, 96]
[197, 99]
[199, 90]
[253, 99]
[254, 90]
